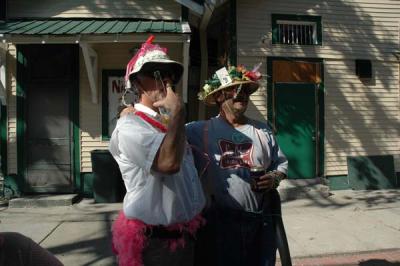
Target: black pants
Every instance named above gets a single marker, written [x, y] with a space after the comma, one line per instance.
[236, 238]
[157, 253]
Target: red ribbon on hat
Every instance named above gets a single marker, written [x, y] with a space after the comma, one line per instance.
[146, 46]
[150, 39]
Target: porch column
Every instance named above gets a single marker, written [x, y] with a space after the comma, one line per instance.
[186, 45]
[3, 56]
[90, 57]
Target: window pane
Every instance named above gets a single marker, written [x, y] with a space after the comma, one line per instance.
[296, 32]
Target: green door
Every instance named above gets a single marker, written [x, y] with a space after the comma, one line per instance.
[295, 121]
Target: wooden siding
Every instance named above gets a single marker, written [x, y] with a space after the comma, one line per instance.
[110, 56]
[12, 110]
[258, 100]
[350, 29]
[361, 118]
[158, 9]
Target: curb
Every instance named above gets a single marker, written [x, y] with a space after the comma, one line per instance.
[40, 201]
[368, 258]
[291, 189]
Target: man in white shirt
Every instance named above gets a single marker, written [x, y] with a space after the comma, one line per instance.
[164, 195]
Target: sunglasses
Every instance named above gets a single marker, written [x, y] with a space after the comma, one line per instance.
[235, 91]
[160, 74]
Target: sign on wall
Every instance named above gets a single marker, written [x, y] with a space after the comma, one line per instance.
[113, 88]
[116, 87]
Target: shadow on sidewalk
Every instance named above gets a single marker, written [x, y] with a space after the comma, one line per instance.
[93, 251]
[346, 198]
[378, 262]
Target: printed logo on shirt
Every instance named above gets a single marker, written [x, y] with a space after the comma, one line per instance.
[235, 155]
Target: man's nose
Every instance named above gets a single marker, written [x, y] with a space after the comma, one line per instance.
[240, 94]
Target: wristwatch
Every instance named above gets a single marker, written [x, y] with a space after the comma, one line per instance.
[278, 176]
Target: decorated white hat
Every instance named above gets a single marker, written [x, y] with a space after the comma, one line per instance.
[152, 57]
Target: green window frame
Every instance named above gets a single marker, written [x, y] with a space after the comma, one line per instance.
[105, 110]
[296, 29]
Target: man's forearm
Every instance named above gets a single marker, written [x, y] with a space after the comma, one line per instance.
[170, 154]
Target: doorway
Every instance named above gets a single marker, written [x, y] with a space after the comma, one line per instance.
[295, 111]
[47, 75]
[295, 123]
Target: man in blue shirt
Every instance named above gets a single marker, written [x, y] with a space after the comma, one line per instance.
[226, 148]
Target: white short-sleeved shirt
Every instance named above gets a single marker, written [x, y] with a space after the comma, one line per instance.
[152, 197]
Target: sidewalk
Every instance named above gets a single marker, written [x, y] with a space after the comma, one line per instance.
[363, 225]
[346, 228]
[374, 258]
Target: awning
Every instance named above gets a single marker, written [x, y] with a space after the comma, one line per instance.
[89, 26]
[90, 30]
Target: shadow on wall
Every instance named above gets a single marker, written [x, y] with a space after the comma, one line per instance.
[101, 8]
[365, 110]
[361, 116]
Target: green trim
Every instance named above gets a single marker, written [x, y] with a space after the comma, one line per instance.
[371, 172]
[321, 122]
[269, 89]
[87, 190]
[398, 179]
[12, 186]
[339, 182]
[275, 17]
[74, 116]
[342, 182]
[321, 102]
[105, 104]
[21, 79]
[3, 139]
[233, 33]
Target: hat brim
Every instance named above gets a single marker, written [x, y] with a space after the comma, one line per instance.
[248, 85]
[160, 64]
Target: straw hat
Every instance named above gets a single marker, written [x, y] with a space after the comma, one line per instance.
[151, 57]
[233, 76]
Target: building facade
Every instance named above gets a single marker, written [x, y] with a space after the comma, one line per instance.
[332, 90]
[64, 63]
[330, 87]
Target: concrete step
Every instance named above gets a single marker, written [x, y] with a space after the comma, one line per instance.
[37, 201]
[291, 189]
[3, 202]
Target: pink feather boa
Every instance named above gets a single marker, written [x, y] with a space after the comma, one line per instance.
[129, 238]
